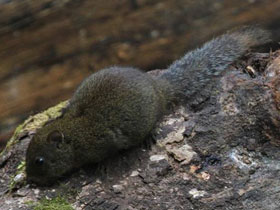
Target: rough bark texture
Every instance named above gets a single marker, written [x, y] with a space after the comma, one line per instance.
[48, 47]
[220, 153]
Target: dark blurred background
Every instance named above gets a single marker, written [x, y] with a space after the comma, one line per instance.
[47, 47]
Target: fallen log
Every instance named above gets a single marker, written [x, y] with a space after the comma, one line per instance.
[218, 151]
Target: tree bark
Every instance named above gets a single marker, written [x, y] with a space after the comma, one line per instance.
[221, 152]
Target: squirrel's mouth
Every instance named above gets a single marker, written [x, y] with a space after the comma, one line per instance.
[39, 177]
[41, 181]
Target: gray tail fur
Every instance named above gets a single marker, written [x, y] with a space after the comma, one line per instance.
[193, 71]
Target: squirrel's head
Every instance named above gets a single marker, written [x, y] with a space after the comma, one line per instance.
[49, 155]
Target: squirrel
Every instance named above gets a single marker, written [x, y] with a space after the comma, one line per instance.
[117, 108]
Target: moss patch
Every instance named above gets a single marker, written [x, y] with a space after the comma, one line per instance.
[19, 178]
[58, 203]
[34, 122]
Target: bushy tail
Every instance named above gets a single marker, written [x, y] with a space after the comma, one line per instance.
[192, 72]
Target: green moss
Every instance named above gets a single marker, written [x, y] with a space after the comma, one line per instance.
[58, 203]
[21, 181]
[21, 167]
[34, 122]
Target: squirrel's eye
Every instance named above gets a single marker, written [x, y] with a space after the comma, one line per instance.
[39, 161]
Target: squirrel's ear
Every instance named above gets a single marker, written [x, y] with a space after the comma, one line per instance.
[56, 137]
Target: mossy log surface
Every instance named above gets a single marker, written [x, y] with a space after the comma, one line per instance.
[222, 152]
[48, 47]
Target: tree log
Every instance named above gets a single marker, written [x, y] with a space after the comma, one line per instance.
[218, 151]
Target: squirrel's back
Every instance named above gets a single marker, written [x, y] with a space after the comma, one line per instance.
[126, 100]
